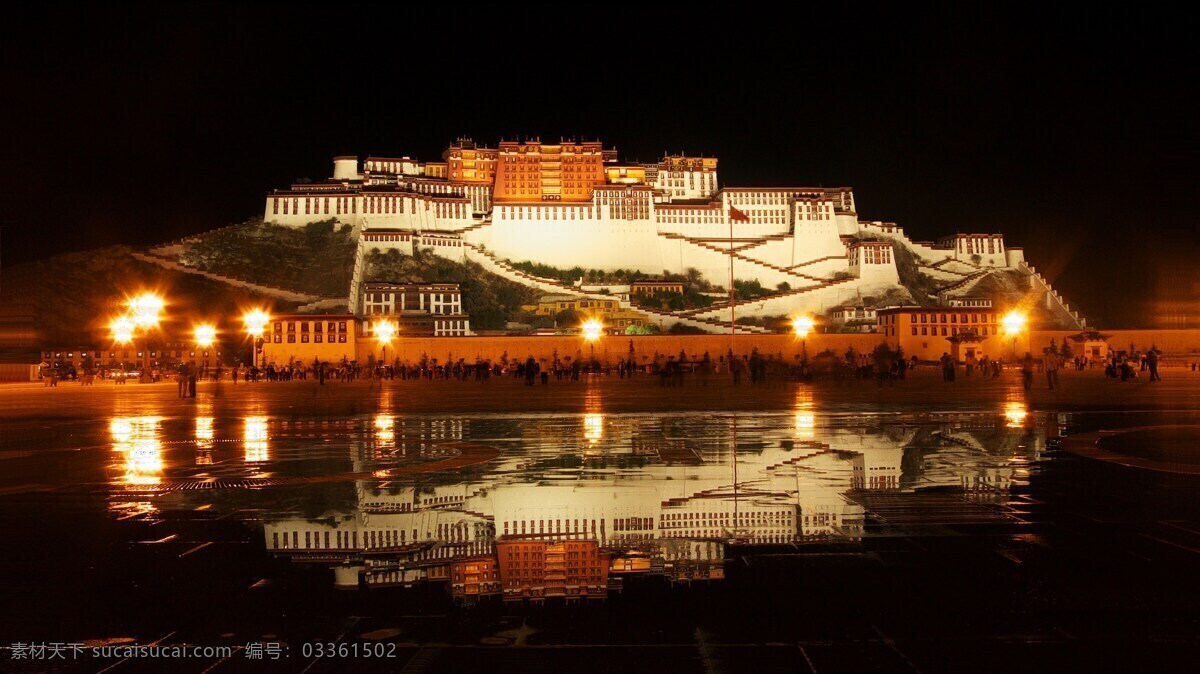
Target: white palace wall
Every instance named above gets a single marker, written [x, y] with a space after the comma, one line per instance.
[587, 238]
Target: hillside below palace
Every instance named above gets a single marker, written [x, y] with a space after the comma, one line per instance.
[574, 204]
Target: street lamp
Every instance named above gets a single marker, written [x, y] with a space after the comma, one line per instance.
[1012, 324]
[122, 334]
[205, 335]
[592, 329]
[801, 326]
[144, 309]
[122, 330]
[256, 321]
[142, 314]
[384, 330]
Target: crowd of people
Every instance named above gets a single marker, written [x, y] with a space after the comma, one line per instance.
[882, 365]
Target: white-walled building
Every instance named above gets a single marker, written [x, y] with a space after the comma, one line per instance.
[572, 205]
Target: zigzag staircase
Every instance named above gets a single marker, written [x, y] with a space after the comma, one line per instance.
[507, 271]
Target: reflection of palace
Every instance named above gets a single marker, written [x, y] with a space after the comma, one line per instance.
[575, 508]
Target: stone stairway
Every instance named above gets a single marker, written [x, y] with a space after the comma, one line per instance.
[505, 270]
[815, 261]
[478, 225]
[967, 282]
[721, 311]
[735, 254]
[1054, 301]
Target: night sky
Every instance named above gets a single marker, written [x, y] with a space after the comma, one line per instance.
[1074, 134]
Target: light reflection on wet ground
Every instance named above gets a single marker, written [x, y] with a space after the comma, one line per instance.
[755, 527]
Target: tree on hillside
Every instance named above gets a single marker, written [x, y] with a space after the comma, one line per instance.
[567, 318]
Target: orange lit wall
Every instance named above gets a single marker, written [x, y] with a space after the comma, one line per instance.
[537, 172]
[471, 164]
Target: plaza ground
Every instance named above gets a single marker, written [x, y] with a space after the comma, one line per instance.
[1090, 566]
[922, 391]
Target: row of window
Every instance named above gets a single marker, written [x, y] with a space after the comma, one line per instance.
[953, 318]
[338, 326]
[871, 255]
[317, 338]
[933, 330]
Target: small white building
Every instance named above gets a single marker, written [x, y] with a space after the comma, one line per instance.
[864, 318]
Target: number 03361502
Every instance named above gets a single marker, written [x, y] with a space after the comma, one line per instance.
[321, 649]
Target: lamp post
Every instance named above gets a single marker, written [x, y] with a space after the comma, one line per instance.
[384, 330]
[142, 314]
[256, 321]
[1013, 323]
[592, 329]
[801, 326]
[205, 335]
[122, 333]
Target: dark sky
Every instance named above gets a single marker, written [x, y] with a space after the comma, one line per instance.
[1074, 134]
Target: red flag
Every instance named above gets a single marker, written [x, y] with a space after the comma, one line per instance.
[738, 216]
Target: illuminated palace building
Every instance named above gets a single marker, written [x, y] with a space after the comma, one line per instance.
[572, 204]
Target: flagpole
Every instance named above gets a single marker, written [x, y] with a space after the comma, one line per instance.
[732, 303]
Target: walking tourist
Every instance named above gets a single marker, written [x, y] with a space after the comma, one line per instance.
[1050, 365]
[1152, 364]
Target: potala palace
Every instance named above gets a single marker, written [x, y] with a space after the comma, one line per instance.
[575, 204]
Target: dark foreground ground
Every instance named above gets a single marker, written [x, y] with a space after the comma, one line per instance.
[1090, 566]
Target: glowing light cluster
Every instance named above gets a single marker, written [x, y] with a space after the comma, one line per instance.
[144, 309]
[802, 325]
[205, 334]
[1013, 323]
[384, 330]
[256, 321]
[122, 330]
[592, 329]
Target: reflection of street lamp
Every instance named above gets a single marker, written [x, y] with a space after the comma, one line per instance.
[384, 330]
[1012, 324]
[256, 321]
[592, 329]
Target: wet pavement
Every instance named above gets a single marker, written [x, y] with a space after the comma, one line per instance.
[600, 526]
